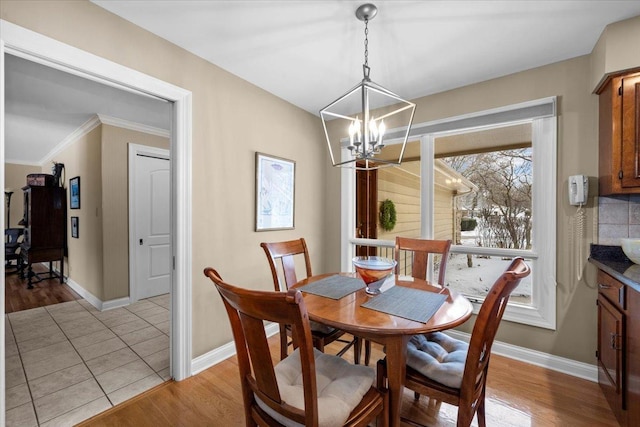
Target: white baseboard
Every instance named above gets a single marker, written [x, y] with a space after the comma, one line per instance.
[91, 299]
[223, 352]
[95, 301]
[115, 303]
[555, 363]
[534, 357]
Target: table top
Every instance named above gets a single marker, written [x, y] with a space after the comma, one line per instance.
[347, 313]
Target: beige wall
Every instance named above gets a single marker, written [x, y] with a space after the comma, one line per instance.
[115, 202]
[84, 261]
[575, 337]
[617, 49]
[223, 165]
[224, 146]
[15, 177]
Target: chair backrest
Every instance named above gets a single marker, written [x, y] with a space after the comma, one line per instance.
[11, 237]
[485, 328]
[286, 252]
[421, 250]
[247, 309]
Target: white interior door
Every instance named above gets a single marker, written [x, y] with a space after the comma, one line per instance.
[152, 223]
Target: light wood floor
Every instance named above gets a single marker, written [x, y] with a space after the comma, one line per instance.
[17, 297]
[518, 394]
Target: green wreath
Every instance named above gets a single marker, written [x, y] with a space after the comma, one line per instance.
[387, 215]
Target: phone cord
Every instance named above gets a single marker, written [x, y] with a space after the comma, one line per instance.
[580, 216]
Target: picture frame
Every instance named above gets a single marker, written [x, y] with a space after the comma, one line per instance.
[275, 193]
[75, 227]
[74, 193]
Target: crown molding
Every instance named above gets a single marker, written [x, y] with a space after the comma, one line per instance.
[138, 127]
[91, 124]
[81, 131]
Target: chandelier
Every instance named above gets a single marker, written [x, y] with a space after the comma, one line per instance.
[363, 134]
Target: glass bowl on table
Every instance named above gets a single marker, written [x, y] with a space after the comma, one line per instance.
[374, 270]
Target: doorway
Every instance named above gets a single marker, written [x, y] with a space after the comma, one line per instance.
[41, 49]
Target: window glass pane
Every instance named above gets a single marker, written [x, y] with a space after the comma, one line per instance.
[477, 279]
[495, 211]
[490, 173]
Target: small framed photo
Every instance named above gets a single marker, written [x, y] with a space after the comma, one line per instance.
[275, 193]
[74, 193]
[74, 227]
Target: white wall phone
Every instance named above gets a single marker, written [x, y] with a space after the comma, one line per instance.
[578, 193]
[578, 189]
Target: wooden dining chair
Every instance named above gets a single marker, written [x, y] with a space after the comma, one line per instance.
[453, 371]
[420, 250]
[285, 254]
[332, 392]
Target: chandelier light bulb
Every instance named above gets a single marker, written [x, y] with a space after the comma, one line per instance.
[373, 131]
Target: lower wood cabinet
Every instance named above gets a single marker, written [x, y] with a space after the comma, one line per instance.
[619, 348]
[611, 351]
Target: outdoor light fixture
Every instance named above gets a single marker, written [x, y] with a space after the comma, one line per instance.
[364, 115]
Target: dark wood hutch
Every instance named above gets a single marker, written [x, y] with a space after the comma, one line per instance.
[45, 215]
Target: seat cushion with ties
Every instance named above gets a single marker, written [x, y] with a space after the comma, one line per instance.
[341, 386]
[438, 357]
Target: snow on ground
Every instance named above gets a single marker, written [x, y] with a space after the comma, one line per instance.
[477, 280]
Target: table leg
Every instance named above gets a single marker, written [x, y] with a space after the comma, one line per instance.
[396, 370]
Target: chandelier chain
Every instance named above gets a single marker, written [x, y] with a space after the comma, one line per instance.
[366, 42]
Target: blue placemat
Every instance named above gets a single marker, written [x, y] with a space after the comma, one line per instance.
[334, 287]
[412, 304]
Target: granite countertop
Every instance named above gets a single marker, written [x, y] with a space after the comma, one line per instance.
[613, 261]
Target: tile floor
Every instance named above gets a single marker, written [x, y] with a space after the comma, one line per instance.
[68, 362]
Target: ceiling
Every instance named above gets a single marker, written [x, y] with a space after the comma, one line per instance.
[43, 106]
[310, 52]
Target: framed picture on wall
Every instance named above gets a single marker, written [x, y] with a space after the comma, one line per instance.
[74, 192]
[74, 227]
[275, 192]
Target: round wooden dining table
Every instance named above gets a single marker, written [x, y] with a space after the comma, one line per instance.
[391, 331]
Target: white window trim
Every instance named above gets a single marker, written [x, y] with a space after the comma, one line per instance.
[542, 257]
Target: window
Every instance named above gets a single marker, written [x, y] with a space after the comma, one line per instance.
[488, 182]
[492, 183]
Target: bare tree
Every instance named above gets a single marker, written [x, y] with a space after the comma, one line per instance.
[503, 200]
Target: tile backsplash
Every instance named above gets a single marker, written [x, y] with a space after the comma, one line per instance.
[618, 217]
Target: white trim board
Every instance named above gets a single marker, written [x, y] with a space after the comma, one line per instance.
[223, 352]
[95, 301]
[138, 127]
[563, 365]
[533, 357]
[81, 131]
[89, 297]
[94, 122]
[32, 46]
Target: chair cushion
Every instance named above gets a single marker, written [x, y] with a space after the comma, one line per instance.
[341, 387]
[438, 357]
[319, 327]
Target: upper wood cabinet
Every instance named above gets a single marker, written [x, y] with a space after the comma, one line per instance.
[619, 133]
